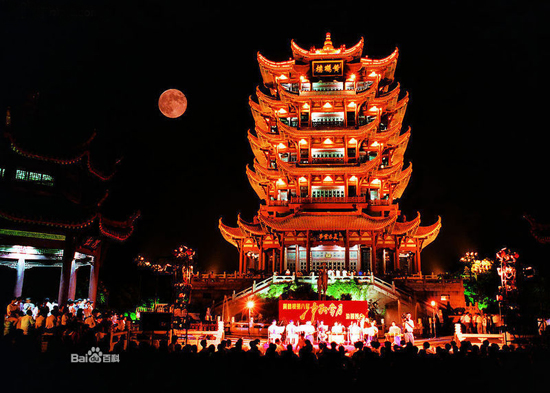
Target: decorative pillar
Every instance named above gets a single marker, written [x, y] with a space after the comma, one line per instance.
[241, 257]
[282, 259]
[94, 273]
[346, 254]
[297, 265]
[72, 281]
[373, 255]
[20, 277]
[261, 261]
[68, 256]
[308, 253]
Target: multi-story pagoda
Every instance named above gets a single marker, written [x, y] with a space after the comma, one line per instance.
[328, 167]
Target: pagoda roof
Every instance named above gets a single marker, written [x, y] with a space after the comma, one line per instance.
[362, 169]
[402, 181]
[230, 233]
[330, 221]
[406, 227]
[250, 228]
[360, 133]
[328, 51]
[256, 183]
[257, 149]
[428, 233]
[275, 66]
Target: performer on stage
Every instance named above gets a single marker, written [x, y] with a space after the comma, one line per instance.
[368, 333]
[394, 333]
[322, 330]
[408, 327]
[337, 333]
[274, 332]
[291, 334]
[354, 333]
[308, 330]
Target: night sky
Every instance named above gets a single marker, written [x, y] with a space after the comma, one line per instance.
[476, 75]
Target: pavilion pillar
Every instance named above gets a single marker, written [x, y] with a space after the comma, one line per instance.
[72, 281]
[308, 252]
[297, 259]
[20, 277]
[346, 254]
[94, 274]
[241, 258]
[68, 257]
[373, 255]
[282, 258]
[396, 264]
[417, 263]
[262, 257]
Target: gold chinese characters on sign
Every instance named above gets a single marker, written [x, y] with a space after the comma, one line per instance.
[327, 68]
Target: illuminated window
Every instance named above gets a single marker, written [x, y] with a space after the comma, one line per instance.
[2, 172]
[34, 177]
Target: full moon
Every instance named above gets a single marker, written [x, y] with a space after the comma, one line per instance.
[172, 103]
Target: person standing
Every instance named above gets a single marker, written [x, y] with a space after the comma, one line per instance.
[408, 329]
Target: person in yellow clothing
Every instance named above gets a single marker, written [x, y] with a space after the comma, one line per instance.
[27, 322]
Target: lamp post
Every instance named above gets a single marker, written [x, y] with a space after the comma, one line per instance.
[250, 306]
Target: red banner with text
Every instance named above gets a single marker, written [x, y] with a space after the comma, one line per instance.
[344, 312]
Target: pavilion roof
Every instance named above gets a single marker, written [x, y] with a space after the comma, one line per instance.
[328, 51]
[328, 222]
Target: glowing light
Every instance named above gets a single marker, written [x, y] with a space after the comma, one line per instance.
[352, 141]
[327, 105]
[433, 303]
[352, 77]
[373, 109]
[302, 179]
[375, 182]
[283, 77]
[282, 111]
[305, 106]
[373, 74]
[281, 182]
[352, 105]
[303, 142]
[303, 78]
[327, 179]
[281, 146]
[250, 304]
[353, 178]
[327, 141]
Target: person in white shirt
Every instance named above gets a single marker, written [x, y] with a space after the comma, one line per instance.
[291, 335]
[408, 327]
[395, 333]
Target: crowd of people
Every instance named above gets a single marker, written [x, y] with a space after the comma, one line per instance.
[76, 321]
[312, 361]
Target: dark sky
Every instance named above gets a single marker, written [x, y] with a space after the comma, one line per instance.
[476, 75]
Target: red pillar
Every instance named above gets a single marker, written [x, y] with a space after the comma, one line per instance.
[346, 255]
[373, 254]
[308, 253]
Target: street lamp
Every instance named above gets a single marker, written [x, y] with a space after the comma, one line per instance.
[250, 306]
[433, 316]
